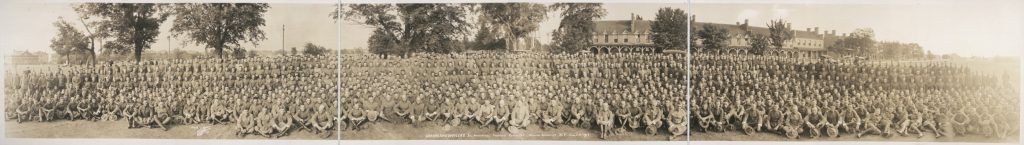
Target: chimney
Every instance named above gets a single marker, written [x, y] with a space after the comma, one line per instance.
[844, 34]
[632, 22]
[745, 22]
[815, 30]
[808, 29]
[833, 32]
[737, 23]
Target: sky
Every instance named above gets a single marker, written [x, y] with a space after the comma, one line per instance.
[29, 27]
[968, 28]
[356, 35]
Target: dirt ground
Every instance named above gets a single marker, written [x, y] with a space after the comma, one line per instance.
[388, 131]
[119, 129]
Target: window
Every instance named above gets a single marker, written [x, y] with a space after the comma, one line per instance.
[625, 40]
[605, 38]
[616, 40]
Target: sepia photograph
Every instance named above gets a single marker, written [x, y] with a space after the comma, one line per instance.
[513, 71]
[937, 71]
[171, 71]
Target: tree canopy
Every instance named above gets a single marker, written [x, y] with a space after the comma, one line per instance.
[69, 40]
[861, 42]
[134, 26]
[576, 29]
[314, 50]
[221, 25]
[779, 31]
[669, 31]
[403, 28]
[511, 21]
[758, 42]
[713, 37]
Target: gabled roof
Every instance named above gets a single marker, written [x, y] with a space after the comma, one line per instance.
[736, 30]
[619, 26]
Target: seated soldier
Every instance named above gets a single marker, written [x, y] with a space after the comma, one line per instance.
[520, 117]
[678, 122]
[485, 114]
[794, 123]
[161, 116]
[281, 123]
[652, 118]
[870, 123]
[301, 116]
[244, 123]
[129, 112]
[554, 111]
[25, 110]
[501, 115]
[264, 123]
[356, 116]
[324, 121]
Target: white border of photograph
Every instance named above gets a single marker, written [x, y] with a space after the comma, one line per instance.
[34, 141]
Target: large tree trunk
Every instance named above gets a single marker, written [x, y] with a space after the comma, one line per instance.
[138, 54]
[92, 57]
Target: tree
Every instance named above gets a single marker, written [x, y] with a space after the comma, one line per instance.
[486, 39]
[220, 25]
[314, 50]
[404, 28]
[576, 30]
[134, 26]
[860, 42]
[69, 41]
[897, 50]
[669, 31]
[779, 32]
[713, 37]
[511, 21]
[758, 42]
[436, 28]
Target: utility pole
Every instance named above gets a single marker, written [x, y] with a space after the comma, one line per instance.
[283, 50]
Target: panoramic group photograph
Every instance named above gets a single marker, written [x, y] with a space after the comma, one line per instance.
[648, 72]
[172, 71]
[886, 72]
[513, 71]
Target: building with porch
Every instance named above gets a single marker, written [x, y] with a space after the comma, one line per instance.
[634, 35]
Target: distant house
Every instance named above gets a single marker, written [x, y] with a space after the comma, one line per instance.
[28, 58]
[634, 35]
[614, 36]
[805, 43]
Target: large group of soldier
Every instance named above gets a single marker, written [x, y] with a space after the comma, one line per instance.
[805, 97]
[267, 96]
[612, 94]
